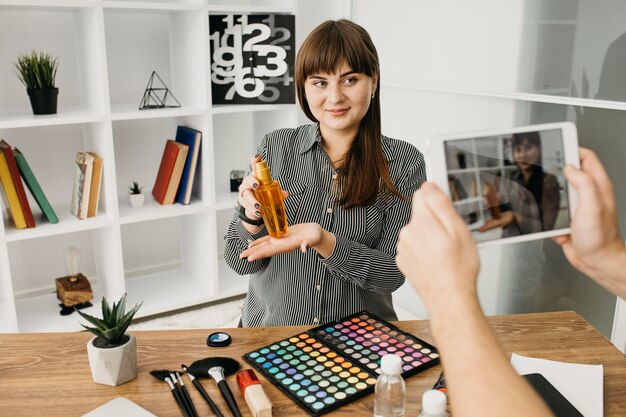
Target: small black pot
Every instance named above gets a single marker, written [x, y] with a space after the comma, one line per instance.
[43, 101]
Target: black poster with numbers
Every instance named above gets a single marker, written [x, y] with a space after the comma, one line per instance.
[252, 58]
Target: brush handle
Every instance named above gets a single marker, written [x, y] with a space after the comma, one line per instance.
[228, 396]
[207, 398]
[180, 402]
[190, 407]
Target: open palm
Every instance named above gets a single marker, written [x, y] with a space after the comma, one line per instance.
[299, 236]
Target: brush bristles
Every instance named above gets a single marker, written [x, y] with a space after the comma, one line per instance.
[200, 368]
[161, 374]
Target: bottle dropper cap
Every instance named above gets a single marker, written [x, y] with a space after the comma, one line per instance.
[434, 402]
[391, 364]
[262, 172]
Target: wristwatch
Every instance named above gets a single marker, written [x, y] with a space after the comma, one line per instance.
[246, 219]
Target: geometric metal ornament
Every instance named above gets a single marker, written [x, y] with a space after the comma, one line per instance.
[157, 97]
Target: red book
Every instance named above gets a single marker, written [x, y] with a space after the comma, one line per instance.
[170, 154]
[17, 181]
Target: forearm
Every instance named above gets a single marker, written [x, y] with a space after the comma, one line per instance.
[479, 377]
[326, 244]
[368, 268]
[236, 241]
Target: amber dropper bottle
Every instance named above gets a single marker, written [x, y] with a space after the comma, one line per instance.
[271, 198]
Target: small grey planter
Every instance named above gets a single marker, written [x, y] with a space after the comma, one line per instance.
[113, 366]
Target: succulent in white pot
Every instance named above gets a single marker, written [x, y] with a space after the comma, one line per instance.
[112, 353]
[135, 194]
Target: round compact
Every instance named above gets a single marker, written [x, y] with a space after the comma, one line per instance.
[218, 339]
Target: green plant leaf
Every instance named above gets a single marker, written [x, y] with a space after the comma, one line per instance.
[112, 327]
[106, 310]
[121, 308]
[93, 320]
[36, 70]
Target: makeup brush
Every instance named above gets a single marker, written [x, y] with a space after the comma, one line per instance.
[217, 368]
[202, 391]
[184, 394]
[164, 375]
[179, 390]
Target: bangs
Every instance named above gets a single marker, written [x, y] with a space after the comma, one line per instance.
[338, 44]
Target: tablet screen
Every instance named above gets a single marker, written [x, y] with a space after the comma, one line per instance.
[509, 185]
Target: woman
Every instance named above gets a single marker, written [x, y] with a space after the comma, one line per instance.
[346, 185]
[529, 198]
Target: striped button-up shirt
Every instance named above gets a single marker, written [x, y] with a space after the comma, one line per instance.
[298, 288]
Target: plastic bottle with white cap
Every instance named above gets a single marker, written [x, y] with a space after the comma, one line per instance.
[390, 388]
[434, 404]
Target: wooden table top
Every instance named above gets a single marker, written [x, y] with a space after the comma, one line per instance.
[47, 374]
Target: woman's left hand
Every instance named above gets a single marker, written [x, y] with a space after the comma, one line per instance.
[299, 236]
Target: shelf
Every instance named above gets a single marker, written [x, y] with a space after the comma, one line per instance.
[154, 5]
[250, 9]
[66, 116]
[46, 4]
[468, 201]
[151, 210]
[166, 291]
[68, 223]
[41, 313]
[244, 108]
[131, 111]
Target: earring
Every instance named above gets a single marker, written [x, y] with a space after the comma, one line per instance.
[373, 94]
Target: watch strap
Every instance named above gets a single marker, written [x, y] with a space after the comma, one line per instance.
[246, 219]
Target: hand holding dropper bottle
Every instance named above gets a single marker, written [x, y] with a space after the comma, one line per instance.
[270, 196]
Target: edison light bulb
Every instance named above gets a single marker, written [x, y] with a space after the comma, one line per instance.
[72, 262]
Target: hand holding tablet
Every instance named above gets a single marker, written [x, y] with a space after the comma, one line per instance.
[508, 185]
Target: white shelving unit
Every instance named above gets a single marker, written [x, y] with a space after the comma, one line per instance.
[169, 257]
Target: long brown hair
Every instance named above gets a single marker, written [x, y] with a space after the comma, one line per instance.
[364, 172]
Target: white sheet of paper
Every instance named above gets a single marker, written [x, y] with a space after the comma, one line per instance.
[581, 384]
[119, 406]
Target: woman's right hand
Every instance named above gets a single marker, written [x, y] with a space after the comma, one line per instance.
[246, 198]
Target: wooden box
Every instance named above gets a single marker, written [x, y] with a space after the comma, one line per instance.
[73, 293]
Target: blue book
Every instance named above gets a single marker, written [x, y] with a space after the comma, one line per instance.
[192, 138]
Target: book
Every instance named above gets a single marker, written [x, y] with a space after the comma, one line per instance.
[177, 173]
[17, 182]
[82, 184]
[192, 138]
[96, 181]
[10, 194]
[168, 160]
[34, 187]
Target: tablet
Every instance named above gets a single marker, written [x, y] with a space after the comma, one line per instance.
[557, 403]
[508, 185]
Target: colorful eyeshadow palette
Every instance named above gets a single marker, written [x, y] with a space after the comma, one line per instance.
[335, 363]
[366, 338]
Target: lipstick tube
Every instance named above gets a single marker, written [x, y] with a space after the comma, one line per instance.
[252, 390]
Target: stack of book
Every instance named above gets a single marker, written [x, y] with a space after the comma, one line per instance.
[174, 180]
[14, 169]
[87, 184]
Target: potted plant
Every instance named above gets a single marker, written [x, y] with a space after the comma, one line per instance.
[37, 71]
[112, 353]
[135, 194]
